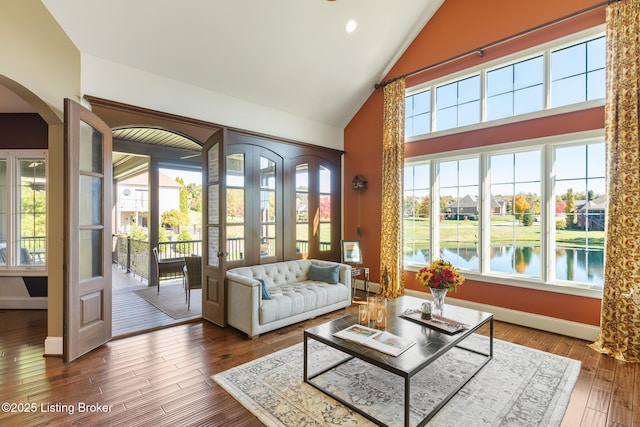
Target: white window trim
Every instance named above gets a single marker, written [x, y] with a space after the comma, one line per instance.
[547, 226]
[544, 50]
[12, 157]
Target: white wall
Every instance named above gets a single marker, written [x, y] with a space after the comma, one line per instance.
[37, 54]
[116, 82]
[169, 199]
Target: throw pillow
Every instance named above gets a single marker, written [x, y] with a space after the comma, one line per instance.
[265, 290]
[321, 273]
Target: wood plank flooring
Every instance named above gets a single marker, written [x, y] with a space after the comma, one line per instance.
[132, 314]
[162, 378]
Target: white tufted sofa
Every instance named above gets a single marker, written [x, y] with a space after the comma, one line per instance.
[294, 298]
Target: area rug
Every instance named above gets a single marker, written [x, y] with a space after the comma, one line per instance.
[518, 387]
[171, 300]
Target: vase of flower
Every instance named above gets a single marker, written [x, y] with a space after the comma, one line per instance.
[439, 277]
[438, 295]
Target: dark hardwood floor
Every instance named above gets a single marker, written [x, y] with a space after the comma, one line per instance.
[132, 314]
[162, 378]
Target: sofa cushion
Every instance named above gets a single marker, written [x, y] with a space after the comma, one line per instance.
[329, 273]
[265, 291]
[290, 300]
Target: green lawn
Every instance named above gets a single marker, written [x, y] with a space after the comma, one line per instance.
[503, 230]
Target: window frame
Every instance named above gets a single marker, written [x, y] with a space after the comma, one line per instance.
[547, 281]
[544, 49]
[13, 214]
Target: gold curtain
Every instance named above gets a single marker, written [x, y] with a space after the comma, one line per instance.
[620, 317]
[392, 189]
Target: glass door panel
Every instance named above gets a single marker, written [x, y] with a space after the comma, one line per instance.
[236, 206]
[268, 214]
[302, 209]
[324, 203]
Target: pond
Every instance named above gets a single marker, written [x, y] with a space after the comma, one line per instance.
[572, 264]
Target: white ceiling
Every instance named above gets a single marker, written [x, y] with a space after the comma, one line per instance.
[291, 55]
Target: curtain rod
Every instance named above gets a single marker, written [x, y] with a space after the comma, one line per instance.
[481, 49]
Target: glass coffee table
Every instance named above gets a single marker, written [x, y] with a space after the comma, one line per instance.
[430, 344]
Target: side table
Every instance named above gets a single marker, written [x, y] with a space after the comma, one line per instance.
[355, 273]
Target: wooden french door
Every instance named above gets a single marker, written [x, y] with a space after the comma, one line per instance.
[214, 236]
[88, 186]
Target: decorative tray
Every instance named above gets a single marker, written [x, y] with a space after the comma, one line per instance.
[442, 324]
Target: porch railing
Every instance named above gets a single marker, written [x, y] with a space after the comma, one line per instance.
[133, 255]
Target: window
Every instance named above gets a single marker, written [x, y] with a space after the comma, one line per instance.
[236, 206]
[268, 234]
[580, 212]
[325, 209]
[23, 210]
[302, 208]
[577, 73]
[509, 227]
[460, 207]
[418, 113]
[316, 210]
[458, 103]
[515, 212]
[573, 74]
[515, 89]
[417, 212]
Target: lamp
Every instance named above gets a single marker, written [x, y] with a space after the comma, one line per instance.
[359, 183]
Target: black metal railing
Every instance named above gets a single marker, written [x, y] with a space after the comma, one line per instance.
[33, 250]
[133, 255]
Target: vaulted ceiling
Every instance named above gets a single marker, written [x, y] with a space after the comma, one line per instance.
[290, 55]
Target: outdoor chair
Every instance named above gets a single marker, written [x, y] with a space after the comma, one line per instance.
[168, 267]
[193, 276]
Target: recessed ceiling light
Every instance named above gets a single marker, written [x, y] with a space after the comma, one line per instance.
[351, 26]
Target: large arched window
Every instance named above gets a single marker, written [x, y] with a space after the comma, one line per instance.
[282, 201]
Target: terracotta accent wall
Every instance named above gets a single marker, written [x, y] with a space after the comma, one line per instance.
[457, 28]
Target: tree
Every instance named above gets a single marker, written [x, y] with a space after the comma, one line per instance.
[174, 218]
[521, 206]
[235, 203]
[570, 208]
[527, 219]
[424, 207]
[137, 233]
[184, 196]
[184, 248]
[196, 196]
[410, 206]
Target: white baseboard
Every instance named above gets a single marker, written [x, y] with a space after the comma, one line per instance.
[53, 346]
[374, 288]
[23, 303]
[530, 320]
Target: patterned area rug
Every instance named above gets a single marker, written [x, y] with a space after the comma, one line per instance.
[518, 387]
[171, 300]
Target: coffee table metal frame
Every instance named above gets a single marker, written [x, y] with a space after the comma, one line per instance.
[430, 345]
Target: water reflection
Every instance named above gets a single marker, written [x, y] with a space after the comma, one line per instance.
[572, 264]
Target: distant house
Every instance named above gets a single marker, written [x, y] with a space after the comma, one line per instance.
[592, 214]
[132, 201]
[468, 206]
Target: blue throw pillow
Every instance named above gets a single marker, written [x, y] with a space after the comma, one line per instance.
[321, 273]
[265, 291]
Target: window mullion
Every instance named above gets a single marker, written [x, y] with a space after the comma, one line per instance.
[546, 83]
[484, 239]
[548, 238]
[435, 209]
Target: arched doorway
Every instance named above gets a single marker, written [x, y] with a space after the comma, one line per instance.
[18, 100]
[148, 145]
